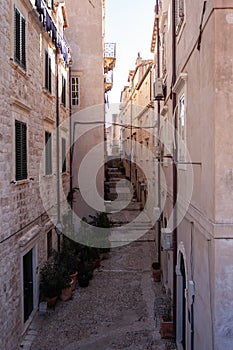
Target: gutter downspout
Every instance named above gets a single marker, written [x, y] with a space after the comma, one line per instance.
[58, 157]
[175, 156]
[158, 109]
[71, 140]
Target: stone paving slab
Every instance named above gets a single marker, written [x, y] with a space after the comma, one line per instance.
[116, 310]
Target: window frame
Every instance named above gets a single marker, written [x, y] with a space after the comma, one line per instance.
[182, 117]
[180, 15]
[180, 88]
[48, 71]
[63, 155]
[48, 153]
[21, 165]
[19, 38]
[63, 91]
[75, 91]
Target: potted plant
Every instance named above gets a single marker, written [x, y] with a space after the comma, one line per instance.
[66, 287]
[70, 259]
[50, 281]
[166, 319]
[156, 271]
[166, 326]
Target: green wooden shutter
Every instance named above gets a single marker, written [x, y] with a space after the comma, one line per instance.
[20, 150]
[23, 42]
[17, 36]
[48, 153]
[46, 70]
[20, 39]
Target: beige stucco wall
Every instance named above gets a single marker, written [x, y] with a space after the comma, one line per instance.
[86, 37]
[206, 231]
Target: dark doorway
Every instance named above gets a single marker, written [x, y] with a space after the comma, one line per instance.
[182, 270]
[28, 284]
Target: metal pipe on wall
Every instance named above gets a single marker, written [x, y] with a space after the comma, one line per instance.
[174, 164]
[158, 110]
[58, 155]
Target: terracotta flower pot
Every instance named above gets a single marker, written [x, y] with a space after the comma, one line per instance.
[66, 292]
[166, 328]
[156, 275]
[51, 301]
[74, 278]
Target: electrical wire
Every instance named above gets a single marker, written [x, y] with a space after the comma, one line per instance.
[117, 124]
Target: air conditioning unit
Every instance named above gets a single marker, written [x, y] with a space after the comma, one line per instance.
[166, 238]
[158, 89]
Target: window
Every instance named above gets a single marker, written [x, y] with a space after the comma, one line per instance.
[20, 39]
[20, 150]
[63, 156]
[48, 72]
[48, 153]
[181, 129]
[49, 244]
[179, 15]
[75, 91]
[63, 93]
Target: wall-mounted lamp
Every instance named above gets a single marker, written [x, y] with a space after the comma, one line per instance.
[143, 186]
[58, 228]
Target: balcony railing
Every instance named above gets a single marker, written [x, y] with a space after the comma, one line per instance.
[109, 56]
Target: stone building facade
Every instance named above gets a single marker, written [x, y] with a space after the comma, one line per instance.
[138, 135]
[34, 176]
[194, 53]
[92, 60]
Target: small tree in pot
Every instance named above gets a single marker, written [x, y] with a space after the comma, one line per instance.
[156, 271]
[50, 281]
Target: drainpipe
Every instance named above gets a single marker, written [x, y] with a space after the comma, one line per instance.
[71, 139]
[131, 136]
[174, 165]
[58, 226]
[158, 109]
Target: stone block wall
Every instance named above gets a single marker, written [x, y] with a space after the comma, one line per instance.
[24, 222]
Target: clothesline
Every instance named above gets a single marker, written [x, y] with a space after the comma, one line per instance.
[51, 28]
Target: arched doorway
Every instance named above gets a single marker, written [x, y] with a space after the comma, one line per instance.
[181, 303]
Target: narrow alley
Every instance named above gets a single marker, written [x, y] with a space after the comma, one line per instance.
[120, 309]
[116, 310]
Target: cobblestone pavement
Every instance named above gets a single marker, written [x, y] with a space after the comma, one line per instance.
[116, 310]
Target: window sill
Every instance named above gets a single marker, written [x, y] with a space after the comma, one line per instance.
[20, 182]
[63, 108]
[47, 93]
[17, 67]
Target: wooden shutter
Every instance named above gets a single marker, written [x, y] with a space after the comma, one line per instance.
[20, 150]
[20, 39]
[48, 153]
[63, 155]
[17, 36]
[48, 74]
[63, 96]
[46, 70]
[23, 42]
